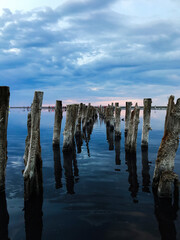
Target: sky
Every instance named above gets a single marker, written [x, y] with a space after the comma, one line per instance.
[90, 51]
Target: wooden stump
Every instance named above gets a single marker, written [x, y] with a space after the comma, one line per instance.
[146, 122]
[131, 140]
[164, 177]
[33, 153]
[69, 131]
[4, 110]
[127, 115]
[57, 122]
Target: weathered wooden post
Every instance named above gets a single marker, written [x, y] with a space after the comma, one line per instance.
[78, 134]
[84, 115]
[57, 122]
[69, 131]
[4, 110]
[146, 122]
[116, 104]
[117, 122]
[110, 117]
[130, 144]
[127, 115]
[164, 177]
[33, 153]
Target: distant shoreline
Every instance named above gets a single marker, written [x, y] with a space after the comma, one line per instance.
[122, 107]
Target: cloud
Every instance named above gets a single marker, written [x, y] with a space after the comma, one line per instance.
[84, 50]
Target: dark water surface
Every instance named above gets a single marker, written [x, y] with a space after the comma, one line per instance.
[96, 194]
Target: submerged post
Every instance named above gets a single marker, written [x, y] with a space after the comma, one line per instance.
[57, 122]
[164, 177]
[130, 144]
[146, 122]
[33, 150]
[4, 109]
[127, 115]
[69, 131]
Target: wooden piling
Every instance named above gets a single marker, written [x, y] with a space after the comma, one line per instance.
[69, 130]
[110, 117]
[4, 110]
[131, 139]
[57, 122]
[164, 177]
[127, 115]
[33, 154]
[146, 122]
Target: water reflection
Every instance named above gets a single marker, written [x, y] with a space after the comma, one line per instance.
[145, 170]
[79, 141]
[133, 178]
[57, 166]
[70, 174]
[33, 201]
[117, 152]
[110, 136]
[4, 217]
[87, 131]
[166, 213]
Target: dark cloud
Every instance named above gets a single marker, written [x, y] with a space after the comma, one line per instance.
[84, 49]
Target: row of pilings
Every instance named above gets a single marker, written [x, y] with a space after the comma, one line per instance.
[79, 124]
[79, 119]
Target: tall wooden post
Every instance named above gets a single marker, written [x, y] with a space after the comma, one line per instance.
[4, 110]
[57, 122]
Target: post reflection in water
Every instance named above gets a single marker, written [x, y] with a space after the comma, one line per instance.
[87, 131]
[110, 137]
[165, 210]
[33, 201]
[79, 141]
[133, 179]
[57, 166]
[145, 170]
[4, 217]
[69, 162]
[117, 152]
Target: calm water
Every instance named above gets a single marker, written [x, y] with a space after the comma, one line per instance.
[97, 194]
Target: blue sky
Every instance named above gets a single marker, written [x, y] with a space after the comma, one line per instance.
[90, 51]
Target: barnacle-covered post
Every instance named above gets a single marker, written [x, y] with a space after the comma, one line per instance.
[146, 122]
[57, 122]
[4, 110]
[164, 177]
[131, 140]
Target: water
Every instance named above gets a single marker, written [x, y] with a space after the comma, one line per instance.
[97, 194]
